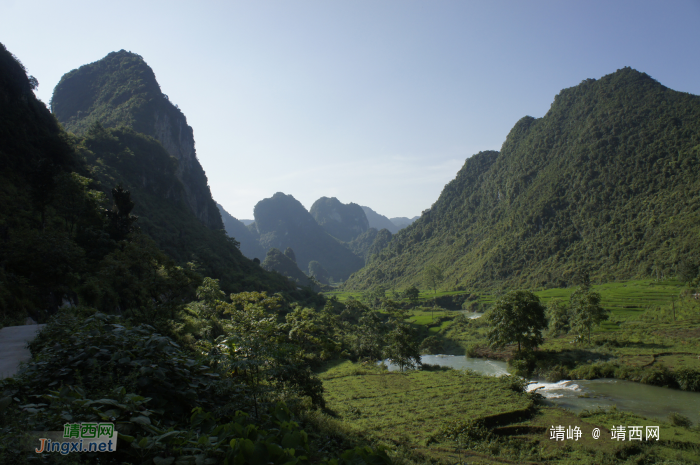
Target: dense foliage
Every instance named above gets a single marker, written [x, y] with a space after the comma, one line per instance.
[164, 398]
[606, 179]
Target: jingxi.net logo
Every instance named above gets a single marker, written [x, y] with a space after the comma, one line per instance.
[79, 437]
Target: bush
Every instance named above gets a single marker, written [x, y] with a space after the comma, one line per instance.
[688, 379]
[659, 376]
[676, 419]
[100, 352]
[431, 345]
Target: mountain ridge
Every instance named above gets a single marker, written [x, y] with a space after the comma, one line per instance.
[603, 181]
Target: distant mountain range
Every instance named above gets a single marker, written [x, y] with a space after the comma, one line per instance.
[401, 221]
[345, 241]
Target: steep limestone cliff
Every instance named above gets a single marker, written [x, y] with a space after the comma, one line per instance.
[121, 90]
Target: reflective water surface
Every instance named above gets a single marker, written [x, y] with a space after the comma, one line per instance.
[642, 399]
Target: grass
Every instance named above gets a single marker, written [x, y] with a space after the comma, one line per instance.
[651, 327]
[408, 411]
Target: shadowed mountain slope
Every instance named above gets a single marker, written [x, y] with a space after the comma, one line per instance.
[343, 221]
[239, 231]
[61, 239]
[121, 90]
[277, 261]
[281, 222]
[379, 222]
[605, 181]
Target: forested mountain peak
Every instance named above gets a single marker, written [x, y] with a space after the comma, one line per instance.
[342, 221]
[121, 90]
[604, 180]
[282, 221]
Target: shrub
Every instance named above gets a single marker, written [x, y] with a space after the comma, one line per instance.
[688, 379]
[676, 419]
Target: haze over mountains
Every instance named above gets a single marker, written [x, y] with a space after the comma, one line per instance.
[605, 181]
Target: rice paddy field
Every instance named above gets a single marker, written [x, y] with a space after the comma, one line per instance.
[416, 414]
[653, 325]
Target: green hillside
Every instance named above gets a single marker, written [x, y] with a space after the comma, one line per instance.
[370, 243]
[606, 180]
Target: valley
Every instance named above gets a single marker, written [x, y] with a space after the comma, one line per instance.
[571, 254]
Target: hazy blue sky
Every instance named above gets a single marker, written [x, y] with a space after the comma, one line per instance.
[374, 102]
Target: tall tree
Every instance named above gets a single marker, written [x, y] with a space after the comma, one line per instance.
[412, 293]
[402, 346]
[119, 218]
[586, 310]
[558, 317]
[517, 317]
[432, 276]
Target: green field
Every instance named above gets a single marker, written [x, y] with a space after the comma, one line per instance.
[406, 412]
[652, 324]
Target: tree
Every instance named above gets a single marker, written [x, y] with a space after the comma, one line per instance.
[369, 337]
[412, 294]
[558, 317]
[210, 293]
[289, 253]
[687, 271]
[402, 346]
[432, 276]
[586, 310]
[120, 221]
[517, 317]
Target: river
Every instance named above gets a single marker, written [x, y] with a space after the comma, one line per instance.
[642, 399]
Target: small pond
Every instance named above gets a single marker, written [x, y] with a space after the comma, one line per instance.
[642, 399]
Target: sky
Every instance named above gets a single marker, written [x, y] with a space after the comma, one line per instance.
[374, 102]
